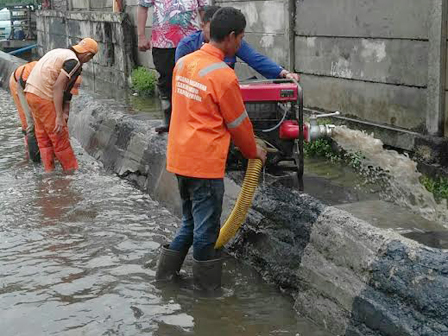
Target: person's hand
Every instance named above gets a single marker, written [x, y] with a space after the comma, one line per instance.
[66, 112]
[60, 124]
[143, 43]
[261, 154]
[290, 75]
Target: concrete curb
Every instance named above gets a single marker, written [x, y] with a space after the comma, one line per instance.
[8, 64]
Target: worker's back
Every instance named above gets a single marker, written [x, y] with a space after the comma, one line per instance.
[45, 73]
[207, 107]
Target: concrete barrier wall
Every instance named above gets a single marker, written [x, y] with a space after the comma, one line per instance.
[94, 5]
[267, 30]
[143, 58]
[109, 70]
[368, 59]
[7, 65]
[81, 5]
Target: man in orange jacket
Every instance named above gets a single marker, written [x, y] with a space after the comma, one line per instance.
[17, 83]
[208, 111]
[48, 95]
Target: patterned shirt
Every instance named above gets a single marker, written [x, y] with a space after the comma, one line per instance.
[173, 20]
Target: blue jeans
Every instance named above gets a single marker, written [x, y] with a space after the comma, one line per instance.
[201, 213]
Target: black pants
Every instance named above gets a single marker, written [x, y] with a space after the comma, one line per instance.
[164, 61]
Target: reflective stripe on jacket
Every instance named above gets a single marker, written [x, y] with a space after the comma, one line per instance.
[207, 111]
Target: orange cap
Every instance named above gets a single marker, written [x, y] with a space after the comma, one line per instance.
[86, 45]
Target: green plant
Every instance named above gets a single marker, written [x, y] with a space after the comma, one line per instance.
[437, 186]
[318, 148]
[321, 148]
[143, 81]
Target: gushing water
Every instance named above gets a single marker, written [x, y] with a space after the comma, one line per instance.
[403, 185]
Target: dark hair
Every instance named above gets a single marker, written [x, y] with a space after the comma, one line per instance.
[209, 12]
[225, 21]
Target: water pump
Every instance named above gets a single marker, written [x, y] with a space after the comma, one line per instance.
[275, 108]
[312, 131]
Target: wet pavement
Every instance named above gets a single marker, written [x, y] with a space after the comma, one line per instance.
[73, 250]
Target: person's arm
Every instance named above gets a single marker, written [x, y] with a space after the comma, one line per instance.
[260, 63]
[58, 100]
[238, 123]
[144, 44]
[66, 110]
[263, 64]
[201, 9]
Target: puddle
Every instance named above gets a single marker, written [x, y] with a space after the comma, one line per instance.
[144, 108]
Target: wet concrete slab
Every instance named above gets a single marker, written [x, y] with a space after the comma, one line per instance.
[389, 216]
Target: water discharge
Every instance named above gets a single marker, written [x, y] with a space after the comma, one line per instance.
[402, 180]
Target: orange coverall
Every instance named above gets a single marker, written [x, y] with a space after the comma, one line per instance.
[39, 94]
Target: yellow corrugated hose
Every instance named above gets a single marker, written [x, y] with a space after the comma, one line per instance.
[243, 203]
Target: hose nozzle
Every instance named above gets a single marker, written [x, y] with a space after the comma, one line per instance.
[321, 131]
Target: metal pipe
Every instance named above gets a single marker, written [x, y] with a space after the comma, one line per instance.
[21, 50]
[291, 33]
[327, 115]
[299, 115]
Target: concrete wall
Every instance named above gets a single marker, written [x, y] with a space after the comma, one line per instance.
[130, 8]
[109, 70]
[368, 59]
[81, 5]
[143, 58]
[267, 30]
[8, 64]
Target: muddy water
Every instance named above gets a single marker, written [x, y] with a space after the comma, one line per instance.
[402, 185]
[73, 250]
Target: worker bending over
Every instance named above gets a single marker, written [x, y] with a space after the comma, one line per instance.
[48, 95]
[17, 83]
[208, 111]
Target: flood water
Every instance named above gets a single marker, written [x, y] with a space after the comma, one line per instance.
[78, 255]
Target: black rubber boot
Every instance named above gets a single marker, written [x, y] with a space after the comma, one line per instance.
[33, 148]
[207, 275]
[165, 127]
[169, 264]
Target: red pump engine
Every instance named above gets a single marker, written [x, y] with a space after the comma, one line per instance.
[279, 93]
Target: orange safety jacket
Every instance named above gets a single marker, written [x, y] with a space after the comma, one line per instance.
[207, 111]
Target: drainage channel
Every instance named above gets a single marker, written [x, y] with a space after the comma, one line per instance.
[78, 255]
